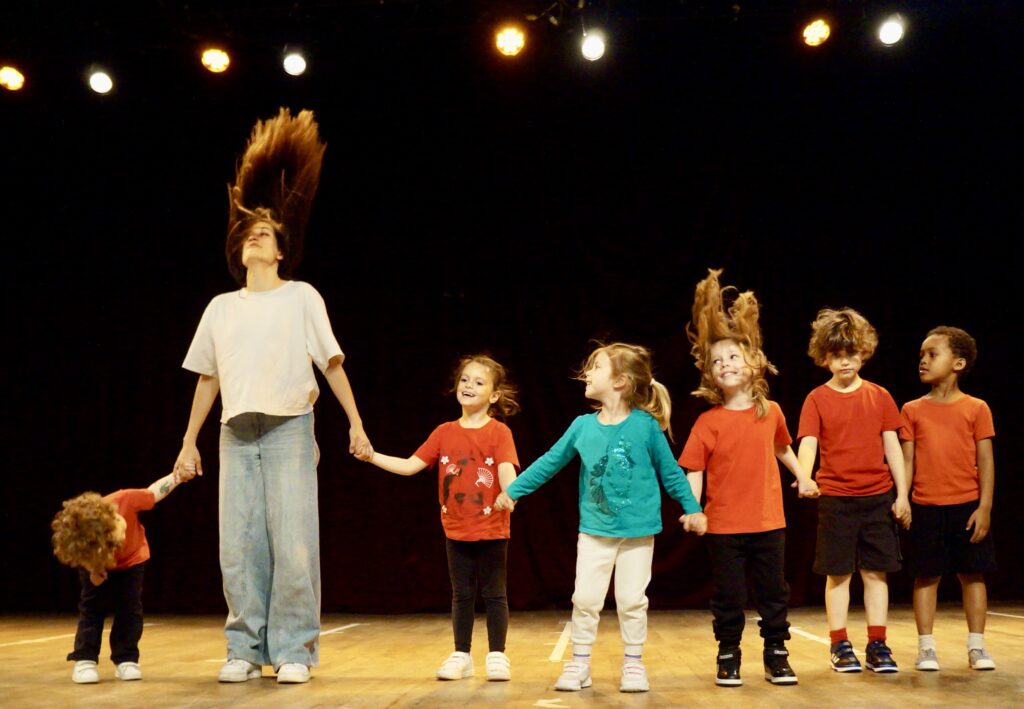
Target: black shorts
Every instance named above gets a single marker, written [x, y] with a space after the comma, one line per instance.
[939, 542]
[856, 533]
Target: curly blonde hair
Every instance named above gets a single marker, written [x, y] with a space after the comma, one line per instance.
[635, 363]
[843, 330]
[713, 322]
[507, 403]
[85, 533]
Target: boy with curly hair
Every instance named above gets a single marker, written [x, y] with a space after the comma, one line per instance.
[103, 539]
[947, 447]
[856, 424]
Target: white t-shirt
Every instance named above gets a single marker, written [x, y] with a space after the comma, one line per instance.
[260, 346]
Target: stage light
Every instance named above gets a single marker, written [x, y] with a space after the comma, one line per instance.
[815, 33]
[100, 82]
[295, 64]
[510, 41]
[11, 79]
[216, 60]
[891, 31]
[592, 46]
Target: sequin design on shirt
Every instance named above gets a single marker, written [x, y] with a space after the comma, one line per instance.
[611, 477]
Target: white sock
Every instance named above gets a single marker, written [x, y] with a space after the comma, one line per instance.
[581, 653]
[975, 641]
[926, 642]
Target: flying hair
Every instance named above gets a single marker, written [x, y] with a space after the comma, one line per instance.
[507, 403]
[713, 321]
[275, 182]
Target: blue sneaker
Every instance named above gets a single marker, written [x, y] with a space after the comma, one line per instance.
[843, 658]
[879, 657]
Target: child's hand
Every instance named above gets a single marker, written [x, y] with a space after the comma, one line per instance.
[901, 511]
[364, 454]
[504, 502]
[806, 487]
[359, 443]
[98, 577]
[185, 474]
[980, 519]
[696, 523]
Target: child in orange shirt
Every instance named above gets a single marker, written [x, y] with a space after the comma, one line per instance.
[738, 443]
[856, 423]
[476, 459]
[103, 538]
[947, 447]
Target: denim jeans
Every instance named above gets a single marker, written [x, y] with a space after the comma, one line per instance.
[270, 539]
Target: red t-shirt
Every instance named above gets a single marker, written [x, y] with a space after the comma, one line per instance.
[849, 429]
[945, 437]
[129, 503]
[736, 451]
[467, 476]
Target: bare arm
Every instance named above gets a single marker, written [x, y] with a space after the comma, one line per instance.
[338, 381]
[894, 457]
[806, 454]
[165, 485]
[189, 462]
[393, 464]
[696, 522]
[908, 462]
[506, 476]
[981, 519]
[805, 485]
[696, 480]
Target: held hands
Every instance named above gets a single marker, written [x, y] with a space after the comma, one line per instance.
[981, 520]
[504, 502]
[901, 511]
[188, 463]
[696, 523]
[359, 443]
[806, 487]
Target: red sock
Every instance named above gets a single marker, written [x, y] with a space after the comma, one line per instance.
[876, 632]
[838, 636]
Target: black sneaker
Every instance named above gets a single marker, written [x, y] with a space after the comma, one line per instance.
[776, 666]
[879, 657]
[843, 659]
[729, 668]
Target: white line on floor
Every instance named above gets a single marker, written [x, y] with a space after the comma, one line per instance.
[55, 637]
[563, 641]
[1006, 615]
[809, 636]
[339, 629]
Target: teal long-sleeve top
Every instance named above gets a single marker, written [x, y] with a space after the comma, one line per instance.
[620, 465]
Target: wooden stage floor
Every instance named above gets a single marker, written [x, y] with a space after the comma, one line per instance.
[389, 661]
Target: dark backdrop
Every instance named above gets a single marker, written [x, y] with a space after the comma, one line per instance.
[472, 203]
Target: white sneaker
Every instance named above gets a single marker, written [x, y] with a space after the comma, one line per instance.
[239, 671]
[634, 677]
[499, 667]
[128, 671]
[927, 660]
[980, 660]
[292, 673]
[85, 672]
[575, 676]
[459, 665]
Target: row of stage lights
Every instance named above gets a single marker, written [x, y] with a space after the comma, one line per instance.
[510, 41]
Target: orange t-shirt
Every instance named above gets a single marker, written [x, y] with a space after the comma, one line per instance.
[945, 437]
[736, 451]
[467, 477]
[849, 429]
[129, 503]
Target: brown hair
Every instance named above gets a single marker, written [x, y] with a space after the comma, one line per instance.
[507, 404]
[713, 322]
[962, 345]
[85, 533]
[835, 331]
[634, 362]
[275, 182]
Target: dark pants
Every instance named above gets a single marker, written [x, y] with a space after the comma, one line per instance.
[120, 594]
[472, 564]
[763, 555]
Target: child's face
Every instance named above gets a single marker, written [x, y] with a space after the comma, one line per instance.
[600, 379]
[475, 389]
[844, 366]
[938, 362]
[729, 368]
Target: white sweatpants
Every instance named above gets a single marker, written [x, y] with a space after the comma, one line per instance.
[631, 560]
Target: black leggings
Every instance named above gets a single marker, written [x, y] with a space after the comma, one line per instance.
[121, 595]
[472, 564]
